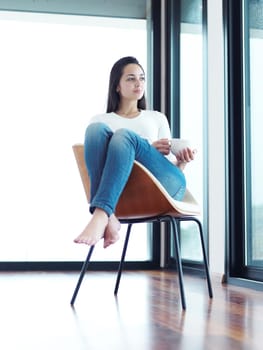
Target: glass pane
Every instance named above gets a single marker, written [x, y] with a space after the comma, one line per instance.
[254, 126]
[54, 76]
[191, 121]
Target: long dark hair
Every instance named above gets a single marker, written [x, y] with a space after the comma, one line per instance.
[115, 76]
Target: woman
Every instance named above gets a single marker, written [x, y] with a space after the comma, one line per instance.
[113, 140]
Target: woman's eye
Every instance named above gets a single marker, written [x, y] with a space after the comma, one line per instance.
[133, 79]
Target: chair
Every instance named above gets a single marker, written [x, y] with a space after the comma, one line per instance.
[144, 199]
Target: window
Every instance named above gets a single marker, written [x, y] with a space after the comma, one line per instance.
[253, 136]
[192, 112]
[54, 76]
[244, 25]
[185, 99]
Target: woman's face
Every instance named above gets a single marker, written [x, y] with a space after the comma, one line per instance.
[131, 85]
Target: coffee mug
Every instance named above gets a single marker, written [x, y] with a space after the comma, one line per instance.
[179, 144]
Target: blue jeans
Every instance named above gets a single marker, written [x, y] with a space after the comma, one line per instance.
[109, 159]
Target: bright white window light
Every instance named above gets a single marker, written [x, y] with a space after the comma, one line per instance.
[54, 73]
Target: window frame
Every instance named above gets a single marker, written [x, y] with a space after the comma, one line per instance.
[237, 215]
[105, 8]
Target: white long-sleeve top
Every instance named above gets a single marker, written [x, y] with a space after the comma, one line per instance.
[151, 125]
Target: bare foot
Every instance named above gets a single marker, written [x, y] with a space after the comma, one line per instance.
[111, 234]
[94, 231]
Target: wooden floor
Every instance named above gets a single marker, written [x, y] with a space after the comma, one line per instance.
[35, 313]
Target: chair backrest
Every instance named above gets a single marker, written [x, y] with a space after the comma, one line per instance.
[143, 195]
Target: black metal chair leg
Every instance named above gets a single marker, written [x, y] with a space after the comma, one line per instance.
[82, 273]
[209, 284]
[122, 259]
[178, 260]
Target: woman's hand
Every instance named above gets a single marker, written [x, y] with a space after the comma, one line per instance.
[185, 156]
[162, 145]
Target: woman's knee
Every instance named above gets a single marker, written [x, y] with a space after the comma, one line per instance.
[97, 130]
